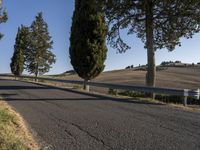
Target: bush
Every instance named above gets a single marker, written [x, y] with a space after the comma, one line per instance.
[112, 91]
[132, 94]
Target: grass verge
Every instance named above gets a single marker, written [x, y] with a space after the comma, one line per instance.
[13, 133]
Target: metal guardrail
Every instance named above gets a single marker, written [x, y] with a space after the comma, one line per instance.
[185, 93]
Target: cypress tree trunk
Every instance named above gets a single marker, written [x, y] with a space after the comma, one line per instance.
[36, 75]
[151, 70]
[85, 86]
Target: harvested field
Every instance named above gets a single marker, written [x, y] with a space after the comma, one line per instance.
[172, 77]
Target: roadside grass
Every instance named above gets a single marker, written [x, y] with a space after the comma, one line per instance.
[13, 132]
[175, 101]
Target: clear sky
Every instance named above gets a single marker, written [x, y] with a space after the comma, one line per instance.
[58, 14]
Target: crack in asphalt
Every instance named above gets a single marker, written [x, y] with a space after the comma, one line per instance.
[92, 136]
[82, 130]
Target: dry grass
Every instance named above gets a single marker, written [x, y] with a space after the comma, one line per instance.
[190, 108]
[14, 134]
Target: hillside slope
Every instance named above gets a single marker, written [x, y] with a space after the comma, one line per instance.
[173, 77]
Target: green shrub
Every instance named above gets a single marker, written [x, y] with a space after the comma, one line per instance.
[112, 91]
[132, 94]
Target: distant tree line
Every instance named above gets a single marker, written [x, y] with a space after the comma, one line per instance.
[130, 67]
[164, 63]
[32, 49]
[176, 63]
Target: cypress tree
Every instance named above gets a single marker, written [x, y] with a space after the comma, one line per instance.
[39, 57]
[21, 43]
[88, 39]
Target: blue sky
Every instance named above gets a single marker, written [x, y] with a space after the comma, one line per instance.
[58, 14]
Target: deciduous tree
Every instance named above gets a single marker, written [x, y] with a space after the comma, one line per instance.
[158, 23]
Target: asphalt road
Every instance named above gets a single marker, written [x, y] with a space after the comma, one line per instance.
[71, 120]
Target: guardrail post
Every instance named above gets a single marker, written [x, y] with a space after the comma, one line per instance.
[198, 94]
[185, 97]
[116, 92]
[185, 101]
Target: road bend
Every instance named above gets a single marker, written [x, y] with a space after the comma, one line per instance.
[72, 120]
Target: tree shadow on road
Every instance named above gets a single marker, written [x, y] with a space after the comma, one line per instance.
[78, 95]
[24, 87]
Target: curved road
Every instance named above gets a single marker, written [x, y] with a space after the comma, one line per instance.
[71, 120]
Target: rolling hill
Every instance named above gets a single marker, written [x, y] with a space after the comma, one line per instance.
[172, 77]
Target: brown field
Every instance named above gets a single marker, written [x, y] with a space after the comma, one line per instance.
[172, 77]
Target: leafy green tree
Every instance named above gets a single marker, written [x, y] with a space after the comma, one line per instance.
[158, 23]
[39, 57]
[3, 16]
[88, 39]
[21, 45]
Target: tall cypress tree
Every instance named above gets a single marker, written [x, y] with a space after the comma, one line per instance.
[21, 45]
[88, 39]
[39, 57]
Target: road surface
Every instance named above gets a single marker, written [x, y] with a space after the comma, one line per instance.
[71, 120]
